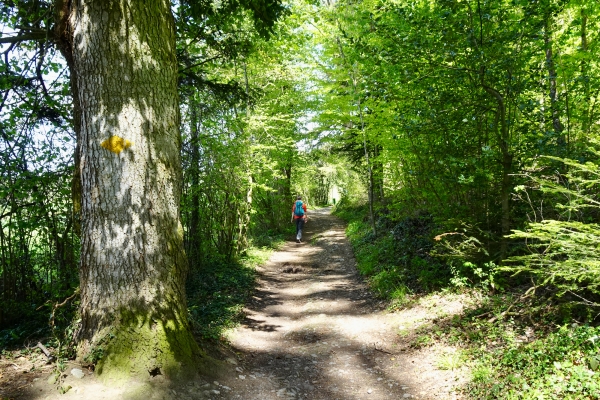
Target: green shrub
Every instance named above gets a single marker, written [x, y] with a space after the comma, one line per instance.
[468, 274]
[388, 284]
[398, 260]
[216, 296]
[465, 251]
[563, 365]
[562, 252]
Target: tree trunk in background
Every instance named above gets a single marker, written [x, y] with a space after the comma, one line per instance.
[506, 162]
[557, 126]
[585, 124]
[353, 74]
[244, 213]
[194, 239]
[367, 158]
[133, 264]
[244, 219]
[369, 168]
[64, 33]
[378, 175]
[4, 273]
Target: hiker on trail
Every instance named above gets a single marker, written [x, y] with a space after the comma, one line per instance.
[299, 216]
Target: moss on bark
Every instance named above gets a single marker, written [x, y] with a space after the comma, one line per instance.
[142, 348]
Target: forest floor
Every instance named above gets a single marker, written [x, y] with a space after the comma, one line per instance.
[312, 330]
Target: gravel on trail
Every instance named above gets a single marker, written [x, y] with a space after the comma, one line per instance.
[314, 331]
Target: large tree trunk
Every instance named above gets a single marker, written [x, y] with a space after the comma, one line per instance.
[133, 264]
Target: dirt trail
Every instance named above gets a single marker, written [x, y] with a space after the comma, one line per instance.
[312, 331]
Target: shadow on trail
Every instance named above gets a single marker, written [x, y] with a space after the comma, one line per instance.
[312, 328]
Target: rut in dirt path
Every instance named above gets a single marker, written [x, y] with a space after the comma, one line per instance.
[313, 329]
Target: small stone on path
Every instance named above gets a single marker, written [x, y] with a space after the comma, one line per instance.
[77, 373]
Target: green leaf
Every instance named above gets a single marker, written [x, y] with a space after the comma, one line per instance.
[594, 362]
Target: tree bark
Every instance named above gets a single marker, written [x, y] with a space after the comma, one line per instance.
[585, 124]
[63, 33]
[557, 126]
[133, 264]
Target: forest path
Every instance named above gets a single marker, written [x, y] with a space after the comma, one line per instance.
[314, 331]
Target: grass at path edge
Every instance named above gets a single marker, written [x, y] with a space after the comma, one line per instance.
[218, 291]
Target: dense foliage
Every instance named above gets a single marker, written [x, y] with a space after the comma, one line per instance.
[38, 238]
[480, 115]
[458, 138]
[243, 95]
[473, 125]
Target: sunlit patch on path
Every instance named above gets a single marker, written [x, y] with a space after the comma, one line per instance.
[313, 331]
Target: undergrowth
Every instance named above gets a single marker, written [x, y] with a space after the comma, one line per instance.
[218, 291]
[561, 365]
[528, 351]
[50, 325]
[397, 262]
[517, 344]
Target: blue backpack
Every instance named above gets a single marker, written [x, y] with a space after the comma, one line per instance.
[299, 211]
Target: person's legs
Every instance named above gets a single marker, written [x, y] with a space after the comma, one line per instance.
[299, 225]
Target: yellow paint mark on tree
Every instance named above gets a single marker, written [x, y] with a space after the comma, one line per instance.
[116, 144]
